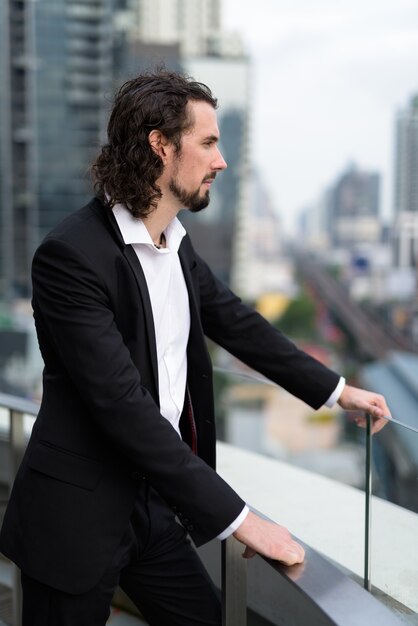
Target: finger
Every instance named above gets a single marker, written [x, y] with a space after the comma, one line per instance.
[248, 553]
[378, 424]
[378, 407]
[293, 555]
[377, 413]
[299, 551]
[361, 421]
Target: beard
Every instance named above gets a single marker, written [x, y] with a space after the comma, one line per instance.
[190, 200]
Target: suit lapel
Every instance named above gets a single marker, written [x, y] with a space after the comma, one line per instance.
[133, 261]
[135, 265]
[196, 349]
[188, 266]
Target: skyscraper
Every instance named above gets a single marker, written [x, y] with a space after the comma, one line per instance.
[191, 23]
[55, 70]
[18, 210]
[406, 186]
[353, 209]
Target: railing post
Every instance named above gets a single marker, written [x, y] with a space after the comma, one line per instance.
[17, 448]
[368, 495]
[234, 584]
[16, 596]
[17, 441]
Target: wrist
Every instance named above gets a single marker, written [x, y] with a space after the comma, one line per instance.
[244, 529]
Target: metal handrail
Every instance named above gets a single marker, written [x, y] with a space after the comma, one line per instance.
[319, 590]
[17, 408]
[18, 405]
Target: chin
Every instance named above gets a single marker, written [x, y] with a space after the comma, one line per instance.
[197, 206]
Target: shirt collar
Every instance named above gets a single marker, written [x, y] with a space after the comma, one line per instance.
[134, 231]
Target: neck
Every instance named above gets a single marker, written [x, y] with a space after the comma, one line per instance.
[156, 223]
[158, 220]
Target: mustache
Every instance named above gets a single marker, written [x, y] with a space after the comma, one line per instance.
[209, 178]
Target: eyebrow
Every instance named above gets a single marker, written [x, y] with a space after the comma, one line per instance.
[214, 138]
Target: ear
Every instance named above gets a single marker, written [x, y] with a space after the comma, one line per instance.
[158, 143]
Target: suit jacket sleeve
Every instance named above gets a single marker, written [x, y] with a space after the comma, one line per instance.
[75, 320]
[248, 336]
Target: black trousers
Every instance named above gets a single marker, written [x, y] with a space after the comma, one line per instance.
[155, 565]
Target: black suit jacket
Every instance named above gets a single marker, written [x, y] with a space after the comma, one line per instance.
[99, 429]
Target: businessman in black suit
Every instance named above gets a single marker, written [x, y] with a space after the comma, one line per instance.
[120, 467]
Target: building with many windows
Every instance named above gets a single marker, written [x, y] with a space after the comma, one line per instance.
[193, 24]
[55, 72]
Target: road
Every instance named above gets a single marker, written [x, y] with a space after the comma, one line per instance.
[373, 338]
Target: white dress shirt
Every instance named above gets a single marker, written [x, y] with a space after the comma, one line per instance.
[170, 309]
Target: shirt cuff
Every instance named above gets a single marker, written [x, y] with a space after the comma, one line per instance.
[235, 524]
[336, 393]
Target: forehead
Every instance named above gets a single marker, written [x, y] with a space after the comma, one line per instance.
[204, 119]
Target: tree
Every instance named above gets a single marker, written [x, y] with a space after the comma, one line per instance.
[299, 318]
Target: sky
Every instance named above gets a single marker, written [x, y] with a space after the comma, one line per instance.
[329, 77]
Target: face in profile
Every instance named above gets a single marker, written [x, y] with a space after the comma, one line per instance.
[199, 160]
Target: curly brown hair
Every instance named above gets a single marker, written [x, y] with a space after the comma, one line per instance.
[127, 167]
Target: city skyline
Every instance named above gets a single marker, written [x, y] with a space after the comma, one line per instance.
[328, 84]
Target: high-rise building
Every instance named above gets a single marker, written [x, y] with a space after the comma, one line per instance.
[188, 22]
[406, 187]
[314, 227]
[18, 202]
[193, 24]
[55, 72]
[353, 210]
[259, 266]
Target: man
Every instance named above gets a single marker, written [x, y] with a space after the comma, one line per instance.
[123, 449]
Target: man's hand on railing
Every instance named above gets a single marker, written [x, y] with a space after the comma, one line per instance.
[353, 399]
[269, 539]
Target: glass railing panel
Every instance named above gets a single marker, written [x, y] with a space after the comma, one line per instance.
[258, 416]
[394, 517]
[255, 414]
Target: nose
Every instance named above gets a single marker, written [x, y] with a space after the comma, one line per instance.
[219, 162]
